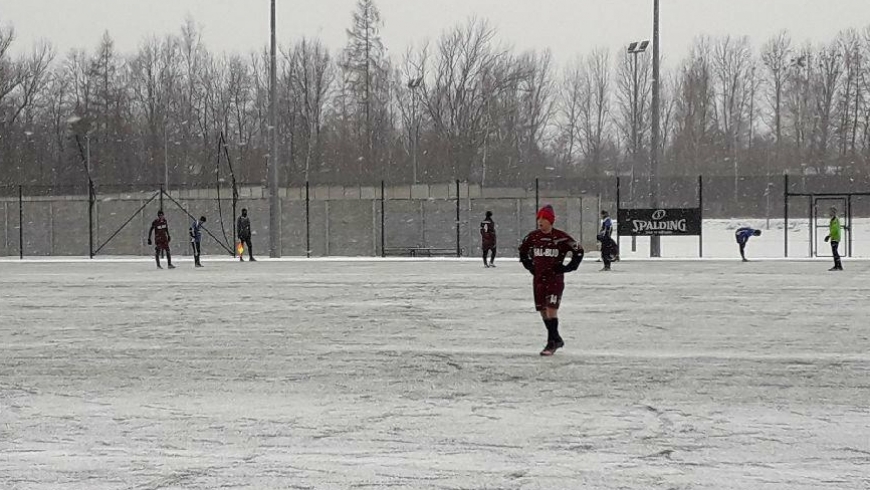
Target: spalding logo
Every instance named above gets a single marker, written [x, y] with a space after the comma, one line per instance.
[659, 214]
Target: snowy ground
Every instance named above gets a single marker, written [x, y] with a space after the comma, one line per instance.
[419, 375]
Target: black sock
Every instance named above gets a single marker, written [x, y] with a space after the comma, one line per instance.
[549, 331]
[552, 330]
[553, 327]
[168, 258]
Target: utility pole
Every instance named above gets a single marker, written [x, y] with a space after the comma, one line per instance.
[655, 245]
[274, 203]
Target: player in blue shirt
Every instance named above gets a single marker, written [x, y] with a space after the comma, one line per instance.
[606, 224]
[742, 235]
[196, 240]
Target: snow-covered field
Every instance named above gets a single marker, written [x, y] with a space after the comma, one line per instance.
[330, 374]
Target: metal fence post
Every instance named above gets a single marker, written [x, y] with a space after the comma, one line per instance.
[701, 208]
[383, 233]
[307, 220]
[91, 202]
[618, 194]
[20, 222]
[458, 247]
[785, 214]
[849, 222]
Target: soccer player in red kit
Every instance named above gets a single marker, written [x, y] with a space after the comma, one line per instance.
[487, 239]
[542, 253]
[160, 228]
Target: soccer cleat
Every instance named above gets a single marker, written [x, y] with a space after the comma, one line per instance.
[492, 265]
[559, 344]
[549, 350]
[835, 268]
[604, 269]
[252, 259]
[159, 266]
[170, 266]
[486, 266]
[241, 259]
[198, 265]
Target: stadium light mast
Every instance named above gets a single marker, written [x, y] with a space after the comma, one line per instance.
[274, 204]
[655, 244]
[634, 49]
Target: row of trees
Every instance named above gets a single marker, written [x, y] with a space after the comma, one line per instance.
[463, 106]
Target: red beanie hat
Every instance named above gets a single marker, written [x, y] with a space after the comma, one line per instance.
[547, 213]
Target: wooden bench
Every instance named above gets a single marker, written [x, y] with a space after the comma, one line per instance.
[421, 251]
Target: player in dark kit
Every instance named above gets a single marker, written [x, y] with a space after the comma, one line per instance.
[609, 250]
[742, 236]
[196, 240]
[243, 230]
[487, 239]
[607, 232]
[160, 228]
[542, 253]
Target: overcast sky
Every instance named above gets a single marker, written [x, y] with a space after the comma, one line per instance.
[567, 27]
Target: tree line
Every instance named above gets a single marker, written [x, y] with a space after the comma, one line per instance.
[464, 106]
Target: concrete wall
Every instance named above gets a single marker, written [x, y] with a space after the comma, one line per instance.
[343, 221]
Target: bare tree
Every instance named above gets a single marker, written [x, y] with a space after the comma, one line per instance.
[467, 73]
[536, 102]
[825, 90]
[849, 98]
[595, 110]
[312, 81]
[776, 55]
[408, 79]
[693, 134]
[367, 74]
[633, 97]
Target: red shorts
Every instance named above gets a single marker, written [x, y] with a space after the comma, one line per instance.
[162, 244]
[487, 244]
[548, 291]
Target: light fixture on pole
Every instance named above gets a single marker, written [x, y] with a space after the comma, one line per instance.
[634, 49]
[414, 84]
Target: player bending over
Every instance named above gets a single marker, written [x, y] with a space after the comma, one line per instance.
[742, 236]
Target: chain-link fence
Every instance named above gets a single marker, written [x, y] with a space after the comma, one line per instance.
[424, 219]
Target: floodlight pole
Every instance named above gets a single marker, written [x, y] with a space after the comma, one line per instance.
[634, 49]
[274, 204]
[655, 249]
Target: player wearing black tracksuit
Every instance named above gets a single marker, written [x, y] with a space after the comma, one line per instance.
[243, 230]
